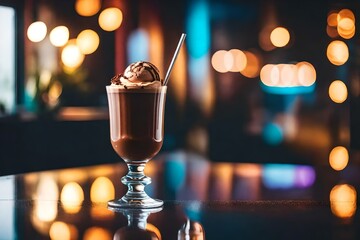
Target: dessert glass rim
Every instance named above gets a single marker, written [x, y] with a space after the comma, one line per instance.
[120, 88]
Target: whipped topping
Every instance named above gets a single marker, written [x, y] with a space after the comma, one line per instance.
[138, 75]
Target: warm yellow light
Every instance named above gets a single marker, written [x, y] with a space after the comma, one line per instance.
[88, 41]
[45, 199]
[266, 75]
[306, 73]
[71, 55]
[72, 196]
[54, 92]
[252, 68]
[343, 201]
[338, 91]
[62, 231]
[95, 233]
[102, 190]
[346, 28]
[345, 13]
[228, 61]
[87, 8]
[288, 75]
[217, 61]
[280, 37]
[222, 180]
[337, 52]
[332, 19]
[110, 19]
[339, 158]
[248, 170]
[36, 32]
[59, 36]
[238, 60]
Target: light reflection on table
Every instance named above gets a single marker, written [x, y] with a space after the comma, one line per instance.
[71, 203]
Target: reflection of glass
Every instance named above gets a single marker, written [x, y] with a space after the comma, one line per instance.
[136, 228]
[191, 230]
[136, 130]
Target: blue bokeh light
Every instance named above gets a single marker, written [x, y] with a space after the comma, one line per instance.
[273, 134]
[138, 46]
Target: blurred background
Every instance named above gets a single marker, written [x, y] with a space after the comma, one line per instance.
[255, 82]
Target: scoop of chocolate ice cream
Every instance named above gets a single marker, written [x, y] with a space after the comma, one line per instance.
[138, 74]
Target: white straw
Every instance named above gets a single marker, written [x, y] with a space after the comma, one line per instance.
[181, 41]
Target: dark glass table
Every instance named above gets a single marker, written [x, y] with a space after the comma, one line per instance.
[203, 200]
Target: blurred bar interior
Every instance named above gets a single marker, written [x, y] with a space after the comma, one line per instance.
[273, 82]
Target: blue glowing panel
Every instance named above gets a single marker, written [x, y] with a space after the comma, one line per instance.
[198, 28]
[7, 216]
[279, 176]
[288, 90]
[7, 60]
[138, 46]
[174, 171]
[285, 176]
[273, 134]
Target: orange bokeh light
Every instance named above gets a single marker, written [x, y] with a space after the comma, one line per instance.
[87, 8]
[332, 19]
[339, 158]
[337, 52]
[217, 61]
[338, 91]
[306, 73]
[343, 201]
[280, 37]
[252, 68]
[239, 60]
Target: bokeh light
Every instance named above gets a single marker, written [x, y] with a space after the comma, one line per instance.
[72, 196]
[338, 91]
[332, 20]
[332, 31]
[88, 41]
[288, 75]
[273, 134]
[217, 61]
[95, 233]
[345, 13]
[36, 32]
[306, 73]
[71, 55]
[87, 8]
[102, 190]
[253, 63]
[265, 75]
[337, 52]
[54, 93]
[110, 19]
[45, 199]
[59, 36]
[238, 60]
[346, 28]
[343, 201]
[280, 37]
[339, 158]
[59, 230]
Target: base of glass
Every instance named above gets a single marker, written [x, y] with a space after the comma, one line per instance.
[146, 203]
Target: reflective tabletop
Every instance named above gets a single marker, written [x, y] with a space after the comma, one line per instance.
[203, 200]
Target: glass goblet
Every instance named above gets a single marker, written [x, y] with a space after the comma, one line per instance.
[136, 132]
